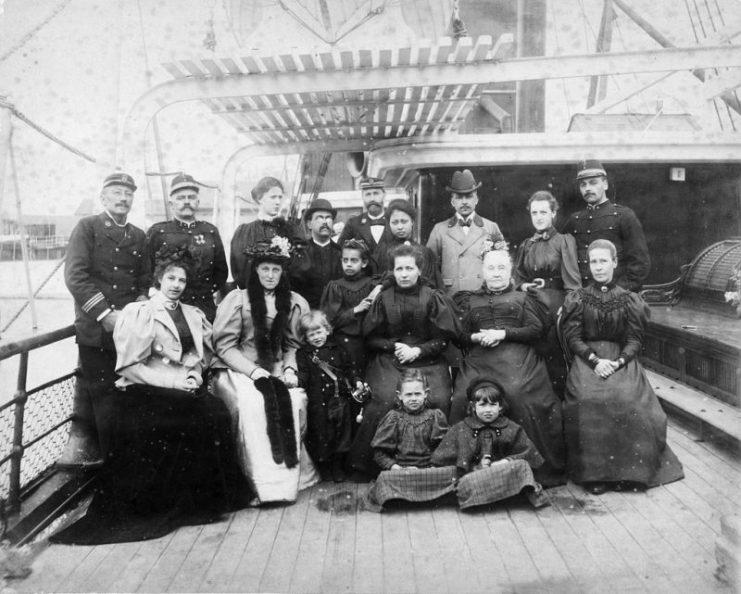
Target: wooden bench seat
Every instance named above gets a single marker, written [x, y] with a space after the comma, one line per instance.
[694, 336]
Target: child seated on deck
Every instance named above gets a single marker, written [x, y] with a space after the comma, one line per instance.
[403, 446]
[326, 372]
[491, 454]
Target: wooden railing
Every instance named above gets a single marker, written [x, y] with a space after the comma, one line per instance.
[12, 462]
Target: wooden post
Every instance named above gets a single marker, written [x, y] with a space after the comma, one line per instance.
[598, 84]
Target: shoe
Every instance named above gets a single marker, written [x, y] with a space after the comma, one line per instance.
[597, 488]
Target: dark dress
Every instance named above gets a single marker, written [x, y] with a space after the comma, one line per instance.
[615, 428]
[383, 257]
[329, 418]
[420, 317]
[516, 366]
[550, 256]
[338, 300]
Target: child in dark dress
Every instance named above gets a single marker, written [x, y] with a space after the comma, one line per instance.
[326, 372]
[403, 446]
[492, 455]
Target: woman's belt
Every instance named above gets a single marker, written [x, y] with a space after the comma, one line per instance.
[552, 282]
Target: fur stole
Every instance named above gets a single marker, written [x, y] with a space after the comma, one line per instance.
[279, 417]
[268, 344]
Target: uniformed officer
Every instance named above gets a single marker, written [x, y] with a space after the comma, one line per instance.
[104, 270]
[200, 237]
[369, 226]
[602, 219]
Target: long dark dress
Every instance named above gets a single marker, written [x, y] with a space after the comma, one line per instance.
[430, 269]
[338, 300]
[516, 366]
[420, 317]
[615, 428]
[550, 256]
[329, 418]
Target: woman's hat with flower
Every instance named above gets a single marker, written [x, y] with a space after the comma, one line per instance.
[278, 249]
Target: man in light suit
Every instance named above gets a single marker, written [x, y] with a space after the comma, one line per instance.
[459, 241]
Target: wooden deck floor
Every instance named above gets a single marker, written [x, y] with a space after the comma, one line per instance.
[658, 541]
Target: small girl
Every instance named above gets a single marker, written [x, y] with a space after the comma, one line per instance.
[346, 300]
[492, 455]
[326, 372]
[403, 446]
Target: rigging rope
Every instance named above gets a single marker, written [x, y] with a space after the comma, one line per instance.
[28, 36]
[43, 131]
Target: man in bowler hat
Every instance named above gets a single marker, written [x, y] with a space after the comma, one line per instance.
[322, 258]
[602, 219]
[459, 241]
[104, 270]
[370, 226]
[200, 237]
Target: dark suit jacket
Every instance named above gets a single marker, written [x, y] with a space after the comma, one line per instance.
[358, 227]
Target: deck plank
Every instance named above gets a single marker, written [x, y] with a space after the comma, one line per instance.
[492, 575]
[110, 568]
[165, 570]
[75, 581]
[457, 559]
[218, 576]
[339, 560]
[369, 545]
[307, 571]
[139, 566]
[398, 565]
[427, 555]
[52, 567]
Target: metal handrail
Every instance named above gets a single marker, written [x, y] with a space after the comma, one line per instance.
[22, 348]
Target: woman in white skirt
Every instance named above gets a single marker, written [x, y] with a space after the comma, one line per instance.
[255, 340]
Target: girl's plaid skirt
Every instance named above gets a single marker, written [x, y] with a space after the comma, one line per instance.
[499, 481]
[422, 484]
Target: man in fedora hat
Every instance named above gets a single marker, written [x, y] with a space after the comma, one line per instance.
[370, 226]
[201, 238]
[104, 270]
[322, 258]
[459, 241]
[602, 219]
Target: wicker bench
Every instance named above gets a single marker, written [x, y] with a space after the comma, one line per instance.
[694, 336]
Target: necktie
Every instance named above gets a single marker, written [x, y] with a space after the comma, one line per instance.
[463, 223]
[380, 221]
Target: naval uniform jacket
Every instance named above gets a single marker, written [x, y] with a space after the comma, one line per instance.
[104, 268]
[359, 227]
[205, 243]
[620, 225]
[459, 253]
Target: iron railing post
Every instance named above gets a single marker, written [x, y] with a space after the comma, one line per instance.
[14, 496]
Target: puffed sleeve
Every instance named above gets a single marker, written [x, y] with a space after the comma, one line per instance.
[208, 344]
[133, 336]
[292, 335]
[443, 316]
[521, 448]
[375, 326]
[519, 272]
[385, 442]
[569, 264]
[228, 325]
[535, 319]
[332, 304]
[573, 325]
[439, 428]
[637, 312]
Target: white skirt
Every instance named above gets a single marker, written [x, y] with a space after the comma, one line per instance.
[272, 482]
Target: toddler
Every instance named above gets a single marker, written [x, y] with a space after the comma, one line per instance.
[326, 372]
[492, 455]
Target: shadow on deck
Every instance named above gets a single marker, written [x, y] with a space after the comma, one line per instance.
[659, 541]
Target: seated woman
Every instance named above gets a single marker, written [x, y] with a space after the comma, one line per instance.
[256, 335]
[547, 262]
[408, 326]
[172, 460]
[615, 428]
[500, 326]
[400, 217]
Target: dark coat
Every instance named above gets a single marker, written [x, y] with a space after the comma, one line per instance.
[359, 227]
[312, 273]
[620, 225]
[104, 268]
[205, 243]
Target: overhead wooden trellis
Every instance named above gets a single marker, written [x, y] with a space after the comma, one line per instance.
[376, 111]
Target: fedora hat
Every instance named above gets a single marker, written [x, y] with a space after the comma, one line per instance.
[589, 168]
[463, 182]
[319, 204]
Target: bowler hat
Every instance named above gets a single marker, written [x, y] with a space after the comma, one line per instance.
[371, 183]
[181, 181]
[120, 179]
[463, 182]
[319, 204]
[589, 168]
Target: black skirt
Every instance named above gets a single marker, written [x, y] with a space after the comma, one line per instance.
[172, 463]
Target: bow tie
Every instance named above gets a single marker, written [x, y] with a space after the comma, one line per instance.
[378, 221]
[463, 223]
[544, 236]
